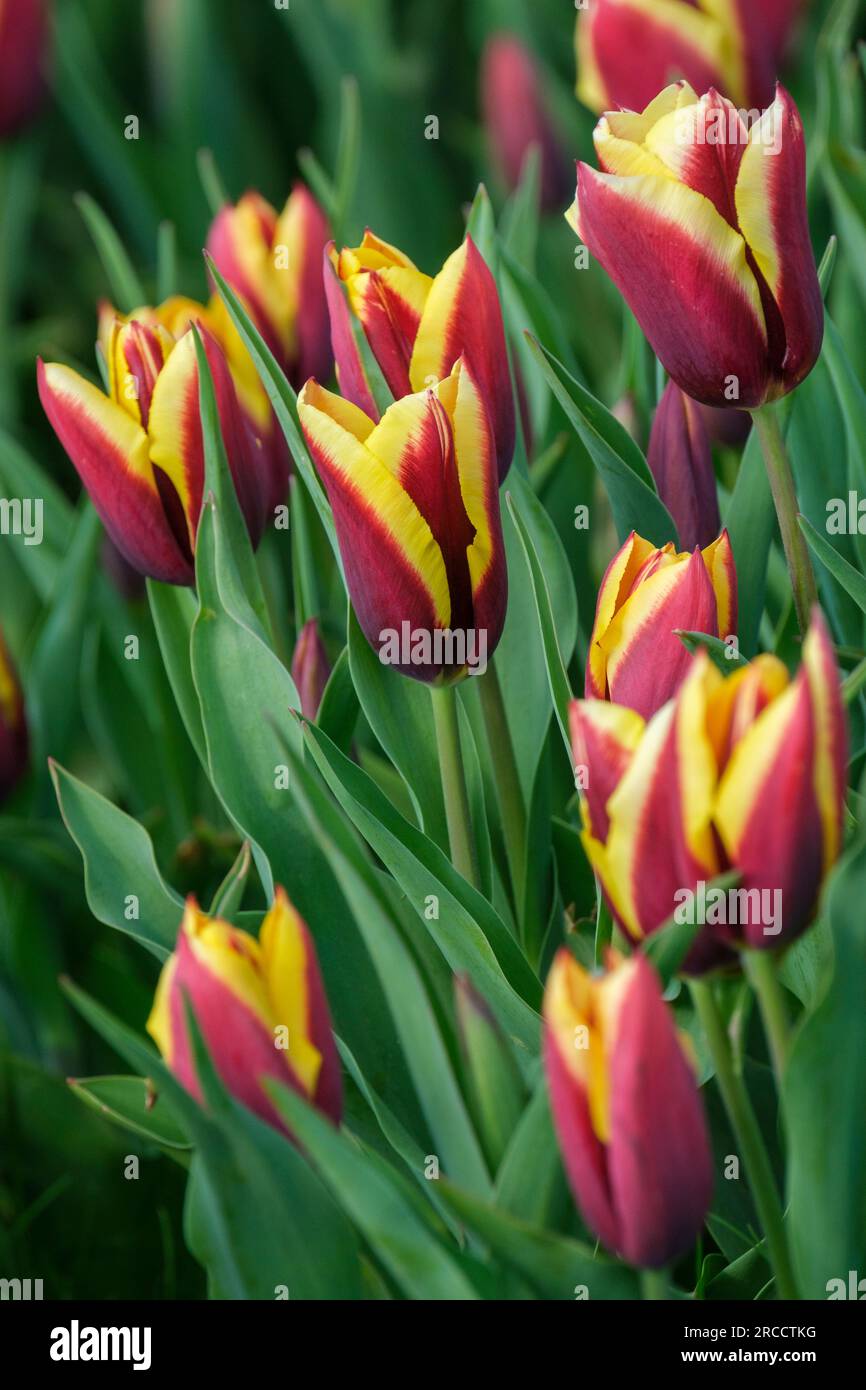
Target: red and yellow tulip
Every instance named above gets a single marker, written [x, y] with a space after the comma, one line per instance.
[680, 458]
[259, 1005]
[23, 41]
[515, 117]
[139, 450]
[744, 773]
[702, 226]
[627, 50]
[626, 1108]
[418, 326]
[274, 262]
[647, 595]
[416, 507]
[14, 738]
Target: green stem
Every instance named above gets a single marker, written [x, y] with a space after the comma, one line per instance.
[507, 780]
[781, 478]
[454, 783]
[654, 1285]
[749, 1138]
[760, 967]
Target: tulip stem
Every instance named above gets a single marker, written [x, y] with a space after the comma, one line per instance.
[460, 838]
[654, 1285]
[507, 780]
[781, 477]
[761, 970]
[749, 1138]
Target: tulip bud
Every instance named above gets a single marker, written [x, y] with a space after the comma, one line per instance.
[139, 450]
[416, 509]
[310, 668]
[701, 223]
[627, 50]
[741, 774]
[646, 597]
[14, 738]
[274, 262]
[23, 41]
[260, 1007]
[515, 117]
[418, 327]
[626, 1109]
[681, 461]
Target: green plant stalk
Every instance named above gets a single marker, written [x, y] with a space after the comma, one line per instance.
[507, 780]
[654, 1285]
[749, 1138]
[781, 479]
[760, 967]
[460, 837]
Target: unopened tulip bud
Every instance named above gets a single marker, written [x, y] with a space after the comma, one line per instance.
[14, 738]
[515, 117]
[681, 461]
[310, 668]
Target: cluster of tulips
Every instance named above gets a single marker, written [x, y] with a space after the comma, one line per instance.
[687, 771]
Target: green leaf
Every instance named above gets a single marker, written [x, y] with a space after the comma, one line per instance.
[722, 656]
[557, 1267]
[668, 947]
[339, 707]
[126, 288]
[557, 678]
[496, 1084]
[399, 712]
[470, 934]
[751, 522]
[481, 226]
[133, 1105]
[419, 1263]
[622, 467]
[824, 1100]
[228, 896]
[530, 1183]
[852, 580]
[120, 870]
[173, 610]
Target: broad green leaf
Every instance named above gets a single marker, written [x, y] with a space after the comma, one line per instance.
[466, 928]
[399, 712]
[725, 658]
[123, 884]
[530, 1182]
[496, 1085]
[129, 1102]
[420, 1264]
[824, 1100]
[229, 895]
[622, 467]
[751, 522]
[339, 707]
[173, 610]
[851, 580]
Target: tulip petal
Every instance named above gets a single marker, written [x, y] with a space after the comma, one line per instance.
[831, 735]
[615, 588]
[298, 997]
[394, 568]
[771, 206]
[240, 242]
[719, 560]
[659, 1160]
[603, 741]
[302, 228]
[351, 376]
[638, 45]
[645, 659]
[110, 452]
[683, 271]
[387, 293]
[462, 318]
[769, 820]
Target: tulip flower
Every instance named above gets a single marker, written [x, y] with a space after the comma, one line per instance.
[627, 50]
[274, 262]
[681, 461]
[310, 668]
[515, 117]
[626, 1109]
[646, 597]
[14, 738]
[23, 41]
[742, 774]
[259, 1005]
[176, 314]
[418, 327]
[139, 450]
[702, 226]
[416, 507]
